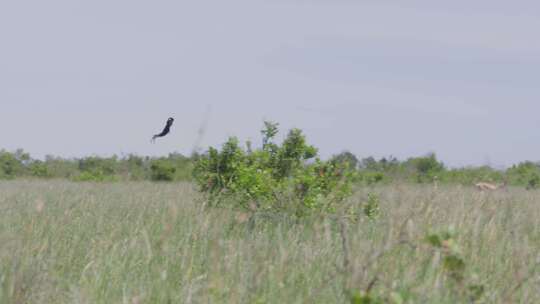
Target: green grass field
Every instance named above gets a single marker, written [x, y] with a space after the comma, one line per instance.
[64, 242]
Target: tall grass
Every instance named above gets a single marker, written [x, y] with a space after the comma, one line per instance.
[63, 242]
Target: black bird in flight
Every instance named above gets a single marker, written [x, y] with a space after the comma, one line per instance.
[165, 131]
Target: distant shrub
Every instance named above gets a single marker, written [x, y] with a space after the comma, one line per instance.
[183, 166]
[134, 168]
[346, 157]
[162, 170]
[12, 164]
[98, 165]
[60, 167]
[526, 174]
[286, 176]
[97, 169]
[39, 169]
[426, 169]
[534, 181]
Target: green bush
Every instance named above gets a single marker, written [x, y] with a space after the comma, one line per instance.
[525, 174]
[426, 169]
[60, 167]
[275, 177]
[134, 168]
[99, 165]
[162, 170]
[96, 169]
[534, 181]
[39, 169]
[346, 157]
[183, 166]
[12, 164]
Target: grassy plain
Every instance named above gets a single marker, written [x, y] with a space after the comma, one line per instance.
[65, 242]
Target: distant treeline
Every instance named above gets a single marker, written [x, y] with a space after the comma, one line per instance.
[428, 169]
[178, 167]
[174, 167]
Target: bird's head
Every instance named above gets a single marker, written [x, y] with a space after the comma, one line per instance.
[170, 120]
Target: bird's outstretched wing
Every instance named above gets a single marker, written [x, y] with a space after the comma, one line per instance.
[166, 130]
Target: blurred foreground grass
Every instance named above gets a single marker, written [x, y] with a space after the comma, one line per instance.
[141, 242]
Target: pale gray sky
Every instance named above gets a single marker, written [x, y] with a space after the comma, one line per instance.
[376, 77]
